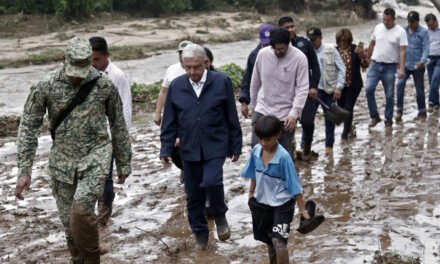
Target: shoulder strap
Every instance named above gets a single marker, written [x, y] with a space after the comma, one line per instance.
[79, 98]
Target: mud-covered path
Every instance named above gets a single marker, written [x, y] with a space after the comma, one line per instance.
[379, 191]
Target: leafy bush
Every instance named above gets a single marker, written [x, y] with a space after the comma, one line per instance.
[234, 72]
[145, 92]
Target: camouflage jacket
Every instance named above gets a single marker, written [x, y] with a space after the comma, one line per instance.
[82, 142]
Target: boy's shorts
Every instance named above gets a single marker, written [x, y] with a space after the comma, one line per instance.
[269, 222]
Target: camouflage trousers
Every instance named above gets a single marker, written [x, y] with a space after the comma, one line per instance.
[84, 192]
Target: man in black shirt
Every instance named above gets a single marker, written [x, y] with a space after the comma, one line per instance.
[246, 81]
[306, 47]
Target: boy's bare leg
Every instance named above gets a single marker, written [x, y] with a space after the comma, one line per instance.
[272, 254]
[280, 247]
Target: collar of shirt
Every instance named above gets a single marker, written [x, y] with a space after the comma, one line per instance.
[109, 67]
[276, 157]
[198, 86]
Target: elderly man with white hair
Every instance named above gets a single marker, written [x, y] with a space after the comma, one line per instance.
[200, 109]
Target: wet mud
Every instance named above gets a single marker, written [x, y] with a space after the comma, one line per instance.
[378, 191]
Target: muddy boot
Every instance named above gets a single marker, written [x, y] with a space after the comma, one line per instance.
[223, 230]
[307, 152]
[104, 213]
[76, 256]
[281, 252]
[84, 228]
[272, 254]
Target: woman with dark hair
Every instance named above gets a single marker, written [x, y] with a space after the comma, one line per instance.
[354, 58]
[210, 58]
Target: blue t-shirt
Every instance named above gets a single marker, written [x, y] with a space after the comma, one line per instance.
[278, 182]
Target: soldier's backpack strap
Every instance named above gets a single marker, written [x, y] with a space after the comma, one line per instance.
[79, 98]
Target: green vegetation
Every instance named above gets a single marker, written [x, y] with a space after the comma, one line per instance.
[234, 72]
[394, 258]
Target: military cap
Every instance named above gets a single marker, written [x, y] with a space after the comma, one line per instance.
[78, 55]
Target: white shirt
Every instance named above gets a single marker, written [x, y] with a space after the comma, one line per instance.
[120, 80]
[388, 43]
[172, 73]
[198, 86]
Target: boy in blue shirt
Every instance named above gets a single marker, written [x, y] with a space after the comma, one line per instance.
[274, 188]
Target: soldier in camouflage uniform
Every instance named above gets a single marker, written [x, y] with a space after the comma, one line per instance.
[81, 151]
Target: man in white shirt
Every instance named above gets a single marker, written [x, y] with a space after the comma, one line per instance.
[388, 55]
[172, 72]
[101, 62]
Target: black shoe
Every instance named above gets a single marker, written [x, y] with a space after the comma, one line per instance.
[398, 116]
[421, 116]
[223, 230]
[374, 121]
[201, 240]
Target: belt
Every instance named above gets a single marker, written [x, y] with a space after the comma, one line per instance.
[434, 56]
[385, 63]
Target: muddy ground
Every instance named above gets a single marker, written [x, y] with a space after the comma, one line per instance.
[378, 191]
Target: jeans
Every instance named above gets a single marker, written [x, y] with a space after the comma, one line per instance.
[308, 120]
[387, 74]
[108, 196]
[418, 76]
[347, 101]
[204, 180]
[285, 140]
[434, 81]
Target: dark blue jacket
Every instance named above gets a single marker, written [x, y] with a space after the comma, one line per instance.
[207, 126]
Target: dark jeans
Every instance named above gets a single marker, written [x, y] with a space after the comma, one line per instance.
[285, 139]
[108, 196]
[434, 81]
[418, 76]
[204, 179]
[347, 101]
[308, 120]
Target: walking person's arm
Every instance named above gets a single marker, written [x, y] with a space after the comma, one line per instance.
[402, 61]
[315, 71]
[27, 137]
[245, 85]
[124, 90]
[168, 133]
[252, 186]
[340, 66]
[301, 88]
[235, 134]
[160, 105]
[120, 138]
[425, 52]
[370, 49]
[255, 81]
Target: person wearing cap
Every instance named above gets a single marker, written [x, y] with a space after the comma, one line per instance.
[200, 108]
[82, 149]
[101, 62]
[279, 85]
[433, 66]
[330, 89]
[416, 57]
[172, 72]
[245, 99]
[387, 51]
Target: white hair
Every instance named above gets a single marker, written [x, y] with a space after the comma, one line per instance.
[193, 51]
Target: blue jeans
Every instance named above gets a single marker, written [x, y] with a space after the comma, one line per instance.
[204, 180]
[109, 195]
[308, 120]
[387, 74]
[434, 81]
[418, 76]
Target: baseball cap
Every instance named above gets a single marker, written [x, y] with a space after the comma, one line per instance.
[313, 33]
[413, 16]
[265, 33]
[183, 44]
[78, 55]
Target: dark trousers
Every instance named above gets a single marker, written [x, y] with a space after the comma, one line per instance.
[347, 101]
[308, 120]
[418, 77]
[108, 196]
[204, 180]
